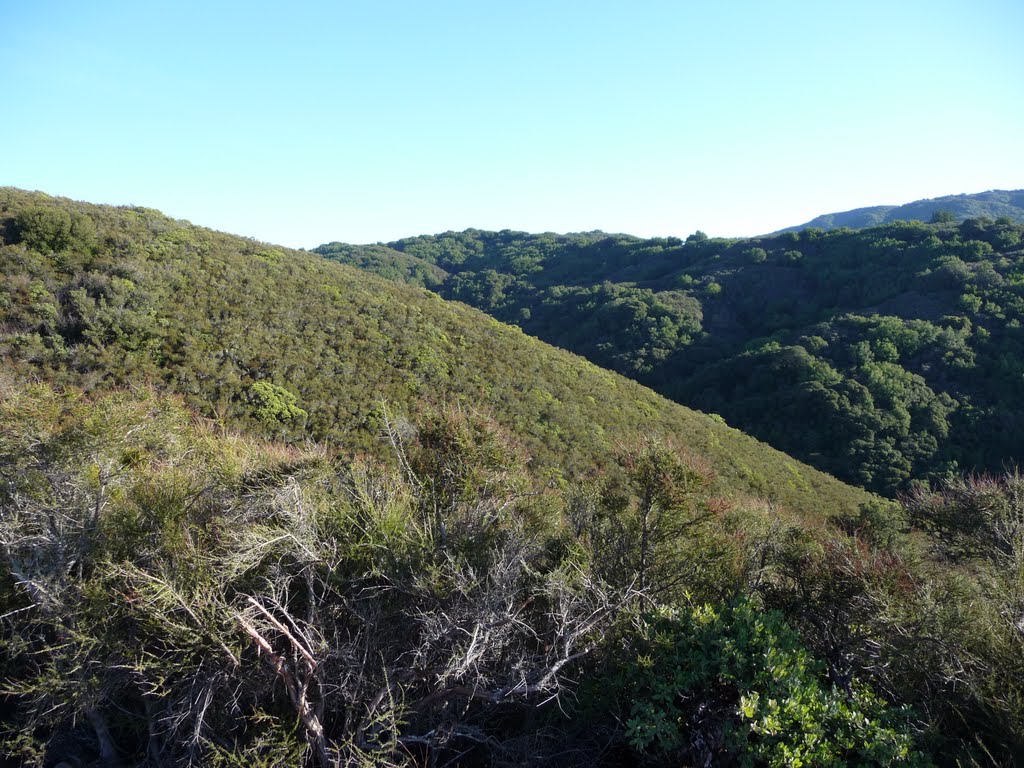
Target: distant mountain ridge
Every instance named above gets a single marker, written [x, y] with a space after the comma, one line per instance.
[993, 204]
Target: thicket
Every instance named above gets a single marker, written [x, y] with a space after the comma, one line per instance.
[174, 593]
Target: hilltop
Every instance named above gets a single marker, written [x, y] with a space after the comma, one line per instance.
[288, 345]
[993, 204]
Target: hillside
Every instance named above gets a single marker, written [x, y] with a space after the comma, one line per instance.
[258, 508]
[289, 345]
[993, 204]
[882, 356]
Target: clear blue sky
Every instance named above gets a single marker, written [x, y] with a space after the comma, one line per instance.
[363, 121]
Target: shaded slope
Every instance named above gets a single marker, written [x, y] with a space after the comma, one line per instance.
[882, 355]
[285, 343]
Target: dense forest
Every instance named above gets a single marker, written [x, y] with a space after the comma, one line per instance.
[883, 356]
[261, 509]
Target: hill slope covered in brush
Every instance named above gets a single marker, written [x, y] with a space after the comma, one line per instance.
[405, 534]
[288, 344]
[882, 355]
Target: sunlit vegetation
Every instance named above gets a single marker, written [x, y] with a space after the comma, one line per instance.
[259, 509]
[288, 345]
[174, 593]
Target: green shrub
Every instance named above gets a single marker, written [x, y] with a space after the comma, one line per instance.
[273, 404]
[51, 229]
[708, 681]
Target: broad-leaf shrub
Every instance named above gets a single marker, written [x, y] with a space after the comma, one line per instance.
[734, 683]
